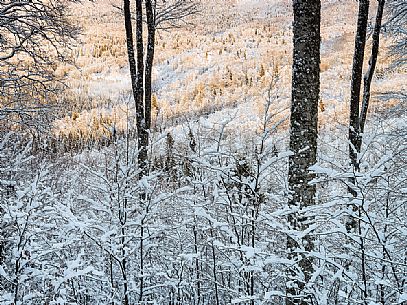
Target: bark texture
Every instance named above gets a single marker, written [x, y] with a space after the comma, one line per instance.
[303, 138]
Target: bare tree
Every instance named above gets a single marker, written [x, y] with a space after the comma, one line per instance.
[358, 113]
[158, 14]
[356, 83]
[303, 140]
[33, 36]
[396, 27]
[367, 80]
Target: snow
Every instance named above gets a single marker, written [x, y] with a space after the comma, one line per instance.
[81, 225]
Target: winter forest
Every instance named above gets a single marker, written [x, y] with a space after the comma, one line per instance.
[203, 152]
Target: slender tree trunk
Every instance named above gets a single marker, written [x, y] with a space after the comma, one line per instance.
[354, 113]
[111, 278]
[141, 288]
[150, 12]
[137, 75]
[130, 47]
[363, 114]
[253, 240]
[16, 281]
[214, 263]
[125, 283]
[303, 137]
[356, 83]
[362, 257]
[142, 132]
[198, 279]
[372, 66]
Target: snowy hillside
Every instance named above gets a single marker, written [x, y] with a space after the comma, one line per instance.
[224, 59]
[237, 193]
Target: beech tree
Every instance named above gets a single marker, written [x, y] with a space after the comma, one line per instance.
[303, 141]
[157, 15]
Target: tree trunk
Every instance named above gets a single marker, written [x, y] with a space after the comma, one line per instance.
[198, 279]
[141, 288]
[150, 12]
[372, 66]
[142, 132]
[130, 47]
[303, 136]
[356, 83]
[136, 75]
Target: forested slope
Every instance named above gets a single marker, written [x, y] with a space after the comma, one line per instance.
[209, 222]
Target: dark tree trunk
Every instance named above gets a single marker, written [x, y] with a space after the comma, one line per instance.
[142, 132]
[358, 118]
[303, 135]
[354, 112]
[151, 28]
[141, 288]
[372, 66]
[130, 46]
[356, 83]
[137, 75]
[140, 70]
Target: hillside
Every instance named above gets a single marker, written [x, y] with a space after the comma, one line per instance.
[232, 196]
[223, 60]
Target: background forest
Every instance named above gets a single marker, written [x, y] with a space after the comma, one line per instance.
[199, 213]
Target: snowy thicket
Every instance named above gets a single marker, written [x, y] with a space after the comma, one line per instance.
[207, 226]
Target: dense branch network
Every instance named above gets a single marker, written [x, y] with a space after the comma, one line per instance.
[33, 36]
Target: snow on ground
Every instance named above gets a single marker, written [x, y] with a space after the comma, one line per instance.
[223, 65]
